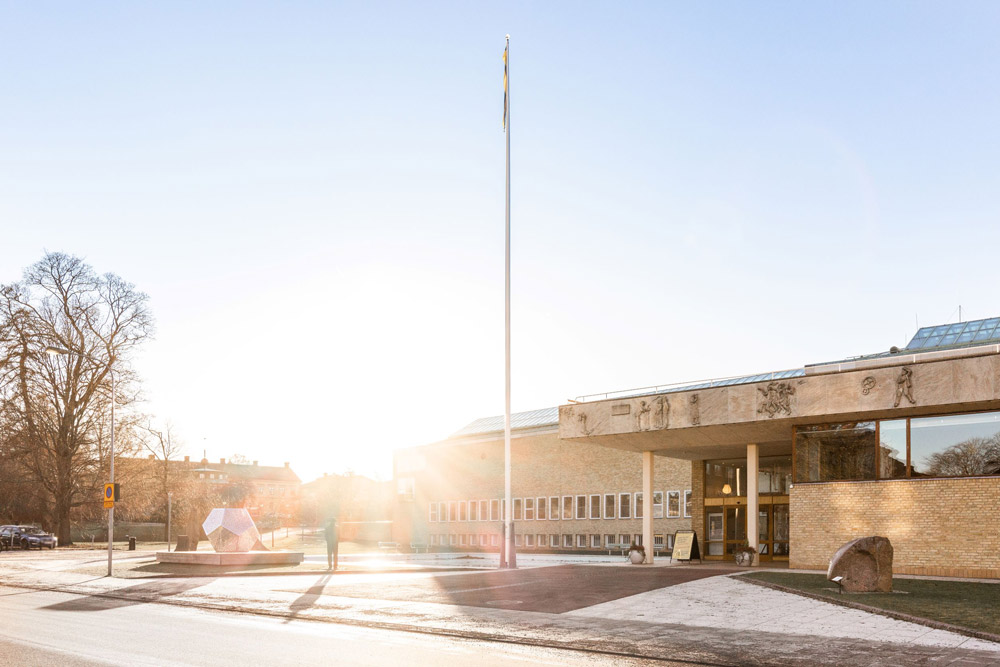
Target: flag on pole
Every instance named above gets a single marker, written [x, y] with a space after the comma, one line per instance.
[504, 124]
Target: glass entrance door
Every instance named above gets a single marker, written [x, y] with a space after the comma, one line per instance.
[772, 532]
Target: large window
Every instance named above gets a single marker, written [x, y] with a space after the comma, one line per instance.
[657, 504]
[529, 509]
[609, 506]
[494, 510]
[957, 445]
[433, 512]
[581, 507]
[835, 451]
[944, 446]
[554, 507]
[484, 510]
[625, 506]
[673, 504]
[595, 506]
[638, 504]
[567, 508]
[518, 514]
[542, 506]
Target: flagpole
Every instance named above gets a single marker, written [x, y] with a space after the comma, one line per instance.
[509, 512]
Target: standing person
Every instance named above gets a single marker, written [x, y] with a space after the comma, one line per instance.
[332, 544]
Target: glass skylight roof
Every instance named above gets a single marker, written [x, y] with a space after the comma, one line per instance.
[976, 332]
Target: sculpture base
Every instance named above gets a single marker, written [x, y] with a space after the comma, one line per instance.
[235, 558]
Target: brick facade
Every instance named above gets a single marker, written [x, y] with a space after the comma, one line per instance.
[947, 527]
[542, 466]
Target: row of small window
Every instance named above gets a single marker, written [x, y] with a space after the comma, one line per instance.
[552, 541]
[554, 508]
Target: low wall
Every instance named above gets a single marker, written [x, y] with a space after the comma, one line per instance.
[946, 527]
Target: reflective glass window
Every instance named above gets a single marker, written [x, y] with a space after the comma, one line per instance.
[835, 452]
[892, 449]
[955, 445]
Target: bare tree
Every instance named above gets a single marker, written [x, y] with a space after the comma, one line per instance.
[163, 447]
[975, 456]
[54, 409]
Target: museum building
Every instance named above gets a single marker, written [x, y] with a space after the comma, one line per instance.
[903, 443]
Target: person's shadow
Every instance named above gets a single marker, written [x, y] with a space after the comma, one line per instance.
[308, 598]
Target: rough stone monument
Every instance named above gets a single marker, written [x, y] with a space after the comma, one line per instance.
[864, 565]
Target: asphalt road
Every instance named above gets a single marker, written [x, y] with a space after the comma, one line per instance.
[54, 628]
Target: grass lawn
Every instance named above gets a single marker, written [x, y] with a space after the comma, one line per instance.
[971, 605]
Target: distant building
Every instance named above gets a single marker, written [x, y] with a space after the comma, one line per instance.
[903, 443]
[270, 491]
[362, 506]
[567, 497]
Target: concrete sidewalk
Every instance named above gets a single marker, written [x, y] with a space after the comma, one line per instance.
[717, 620]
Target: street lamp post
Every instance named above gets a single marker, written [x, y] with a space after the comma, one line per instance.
[58, 351]
[170, 507]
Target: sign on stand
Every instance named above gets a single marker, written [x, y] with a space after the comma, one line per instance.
[110, 495]
[685, 546]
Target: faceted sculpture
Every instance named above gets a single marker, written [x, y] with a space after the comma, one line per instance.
[864, 565]
[231, 530]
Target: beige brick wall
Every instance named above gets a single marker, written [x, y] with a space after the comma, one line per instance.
[542, 465]
[948, 527]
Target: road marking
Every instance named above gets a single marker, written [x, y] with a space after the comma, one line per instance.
[489, 588]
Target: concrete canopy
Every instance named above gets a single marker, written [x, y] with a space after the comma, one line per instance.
[719, 422]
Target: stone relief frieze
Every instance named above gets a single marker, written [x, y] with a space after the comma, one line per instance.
[695, 410]
[642, 416]
[661, 416]
[904, 387]
[777, 399]
[867, 385]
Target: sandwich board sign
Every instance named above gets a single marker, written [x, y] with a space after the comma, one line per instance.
[685, 546]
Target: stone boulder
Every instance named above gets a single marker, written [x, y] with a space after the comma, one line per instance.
[865, 565]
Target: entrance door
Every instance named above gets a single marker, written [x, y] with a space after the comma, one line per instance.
[772, 532]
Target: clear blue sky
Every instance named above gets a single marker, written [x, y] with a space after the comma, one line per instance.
[312, 195]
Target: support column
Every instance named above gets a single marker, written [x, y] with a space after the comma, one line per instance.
[647, 506]
[753, 499]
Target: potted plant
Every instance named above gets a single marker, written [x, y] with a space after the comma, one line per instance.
[636, 553]
[744, 554]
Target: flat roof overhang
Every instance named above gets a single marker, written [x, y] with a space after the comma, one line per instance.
[719, 422]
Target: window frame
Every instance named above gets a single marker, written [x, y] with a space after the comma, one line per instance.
[527, 509]
[599, 506]
[688, 503]
[669, 513]
[541, 507]
[614, 506]
[658, 515]
[567, 508]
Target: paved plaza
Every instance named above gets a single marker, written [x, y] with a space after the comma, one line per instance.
[699, 614]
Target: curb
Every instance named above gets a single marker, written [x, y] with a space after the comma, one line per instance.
[899, 616]
[301, 574]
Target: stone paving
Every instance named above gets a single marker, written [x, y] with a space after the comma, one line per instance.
[726, 602]
[718, 620]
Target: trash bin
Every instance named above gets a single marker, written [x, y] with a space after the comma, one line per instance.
[131, 543]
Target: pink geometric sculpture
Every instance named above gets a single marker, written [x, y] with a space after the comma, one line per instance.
[231, 529]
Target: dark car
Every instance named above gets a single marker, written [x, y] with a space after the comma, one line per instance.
[27, 537]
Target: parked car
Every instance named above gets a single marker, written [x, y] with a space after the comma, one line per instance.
[27, 537]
